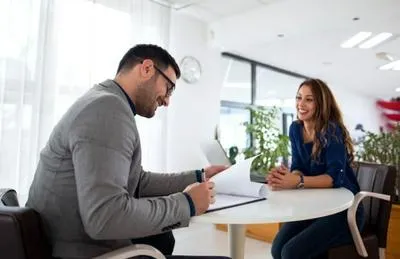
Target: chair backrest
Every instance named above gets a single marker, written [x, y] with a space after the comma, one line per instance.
[21, 233]
[380, 179]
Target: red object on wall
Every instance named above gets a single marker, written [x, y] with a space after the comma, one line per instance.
[391, 111]
[395, 106]
[392, 116]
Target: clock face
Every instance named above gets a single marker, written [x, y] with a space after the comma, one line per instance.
[191, 69]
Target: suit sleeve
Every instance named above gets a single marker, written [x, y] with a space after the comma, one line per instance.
[102, 144]
[166, 183]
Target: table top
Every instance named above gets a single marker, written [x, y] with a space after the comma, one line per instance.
[284, 206]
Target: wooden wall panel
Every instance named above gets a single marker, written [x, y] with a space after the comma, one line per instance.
[393, 241]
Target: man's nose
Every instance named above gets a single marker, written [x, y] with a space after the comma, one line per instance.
[166, 101]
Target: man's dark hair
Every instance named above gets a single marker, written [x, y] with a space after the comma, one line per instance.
[160, 57]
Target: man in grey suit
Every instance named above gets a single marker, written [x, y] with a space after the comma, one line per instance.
[89, 186]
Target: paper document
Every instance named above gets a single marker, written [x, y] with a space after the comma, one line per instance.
[234, 187]
[215, 153]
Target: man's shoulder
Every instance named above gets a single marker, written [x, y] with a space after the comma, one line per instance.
[99, 104]
[100, 113]
[99, 98]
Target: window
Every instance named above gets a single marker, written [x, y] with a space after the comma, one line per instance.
[232, 130]
[237, 82]
[51, 52]
[275, 89]
[250, 83]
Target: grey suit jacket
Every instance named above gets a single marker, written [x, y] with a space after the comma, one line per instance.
[89, 186]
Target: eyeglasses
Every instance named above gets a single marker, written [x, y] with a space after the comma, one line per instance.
[170, 86]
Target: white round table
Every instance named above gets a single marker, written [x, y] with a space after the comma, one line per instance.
[280, 206]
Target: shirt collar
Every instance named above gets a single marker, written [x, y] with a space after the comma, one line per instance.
[131, 104]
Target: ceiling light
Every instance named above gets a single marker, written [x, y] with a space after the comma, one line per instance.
[395, 65]
[356, 39]
[398, 89]
[377, 39]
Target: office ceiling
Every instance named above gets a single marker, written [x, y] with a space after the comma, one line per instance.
[304, 36]
[212, 10]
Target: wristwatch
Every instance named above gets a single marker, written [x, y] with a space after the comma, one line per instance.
[300, 185]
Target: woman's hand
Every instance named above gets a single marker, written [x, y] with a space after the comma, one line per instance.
[280, 178]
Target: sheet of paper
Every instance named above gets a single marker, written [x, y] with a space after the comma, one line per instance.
[236, 181]
[223, 201]
[214, 153]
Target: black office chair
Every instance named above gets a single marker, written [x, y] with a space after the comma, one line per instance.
[377, 184]
[22, 235]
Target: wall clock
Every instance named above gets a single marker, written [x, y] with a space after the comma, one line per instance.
[191, 69]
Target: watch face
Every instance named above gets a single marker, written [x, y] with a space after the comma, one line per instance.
[191, 69]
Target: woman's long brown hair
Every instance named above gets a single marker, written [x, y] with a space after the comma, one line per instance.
[326, 112]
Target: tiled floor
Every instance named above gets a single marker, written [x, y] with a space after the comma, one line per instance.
[204, 239]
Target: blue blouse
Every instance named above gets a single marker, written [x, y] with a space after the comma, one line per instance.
[333, 159]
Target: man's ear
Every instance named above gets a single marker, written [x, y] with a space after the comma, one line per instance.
[147, 68]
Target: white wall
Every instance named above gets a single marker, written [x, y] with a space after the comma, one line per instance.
[194, 109]
[358, 108]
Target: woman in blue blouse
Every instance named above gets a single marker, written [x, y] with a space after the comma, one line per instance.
[322, 153]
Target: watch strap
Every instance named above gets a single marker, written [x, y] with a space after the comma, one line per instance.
[300, 185]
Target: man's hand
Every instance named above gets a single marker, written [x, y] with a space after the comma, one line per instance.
[280, 178]
[202, 194]
[213, 170]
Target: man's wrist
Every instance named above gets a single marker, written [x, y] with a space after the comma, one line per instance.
[191, 204]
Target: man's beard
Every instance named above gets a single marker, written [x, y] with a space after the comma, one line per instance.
[146, 98]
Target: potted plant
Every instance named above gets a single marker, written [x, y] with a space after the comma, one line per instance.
[267, 141]
[383, 148]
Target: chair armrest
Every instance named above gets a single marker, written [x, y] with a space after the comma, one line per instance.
[351, 219]
[131, 251]
[8, 197]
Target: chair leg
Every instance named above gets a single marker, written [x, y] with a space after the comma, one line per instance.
[382, 253]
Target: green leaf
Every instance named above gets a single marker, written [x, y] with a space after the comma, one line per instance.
[268, 142]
